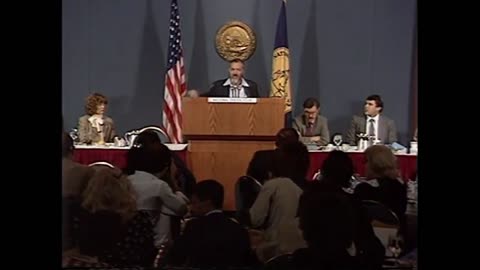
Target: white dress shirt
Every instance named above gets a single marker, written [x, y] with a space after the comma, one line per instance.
[96, 121]
[240, 91]
[156, 196]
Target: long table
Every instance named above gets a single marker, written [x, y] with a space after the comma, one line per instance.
[117, 156]
[407, 163]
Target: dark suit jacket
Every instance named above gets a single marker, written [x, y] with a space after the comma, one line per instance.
[391, 192]
[387, 132]
[260, 165]
[211, 241]
[370, 250]
[185, 176]
[219, 90]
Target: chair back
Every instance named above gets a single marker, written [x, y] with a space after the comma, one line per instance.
[384, 222]
[283, 261]
[246, 192]
[132, 135]
[380, 213]
[101, 163]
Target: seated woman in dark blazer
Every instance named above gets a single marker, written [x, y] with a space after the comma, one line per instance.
[383, 183]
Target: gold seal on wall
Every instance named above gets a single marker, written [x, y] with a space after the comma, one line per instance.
[235, 40]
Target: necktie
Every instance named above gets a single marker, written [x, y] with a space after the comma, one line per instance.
[371, 127]
[309, 131]
[235, 91]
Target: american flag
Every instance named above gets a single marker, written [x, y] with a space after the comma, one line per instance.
[175, 86]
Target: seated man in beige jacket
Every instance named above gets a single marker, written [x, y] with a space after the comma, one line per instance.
[311, 126]
[275, 210]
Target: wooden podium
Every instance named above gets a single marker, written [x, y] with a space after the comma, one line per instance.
[223, 136]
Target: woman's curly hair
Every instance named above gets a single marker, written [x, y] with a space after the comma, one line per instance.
[110, 189]
[93, 101]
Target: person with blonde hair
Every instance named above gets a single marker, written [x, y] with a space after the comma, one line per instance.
[381, 163]
[109, 189]
[111, 196]
[383, 182]
[95, 127]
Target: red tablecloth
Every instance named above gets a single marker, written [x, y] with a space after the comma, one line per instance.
[116, 157]
[407, 164]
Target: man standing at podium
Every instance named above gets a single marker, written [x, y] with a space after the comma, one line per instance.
[236, 86]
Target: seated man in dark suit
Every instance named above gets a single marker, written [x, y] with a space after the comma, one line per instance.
[236, 86]
[212, 239]
[372, 123]
[262, 161]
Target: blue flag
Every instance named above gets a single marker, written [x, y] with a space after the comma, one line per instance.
[280, 83]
